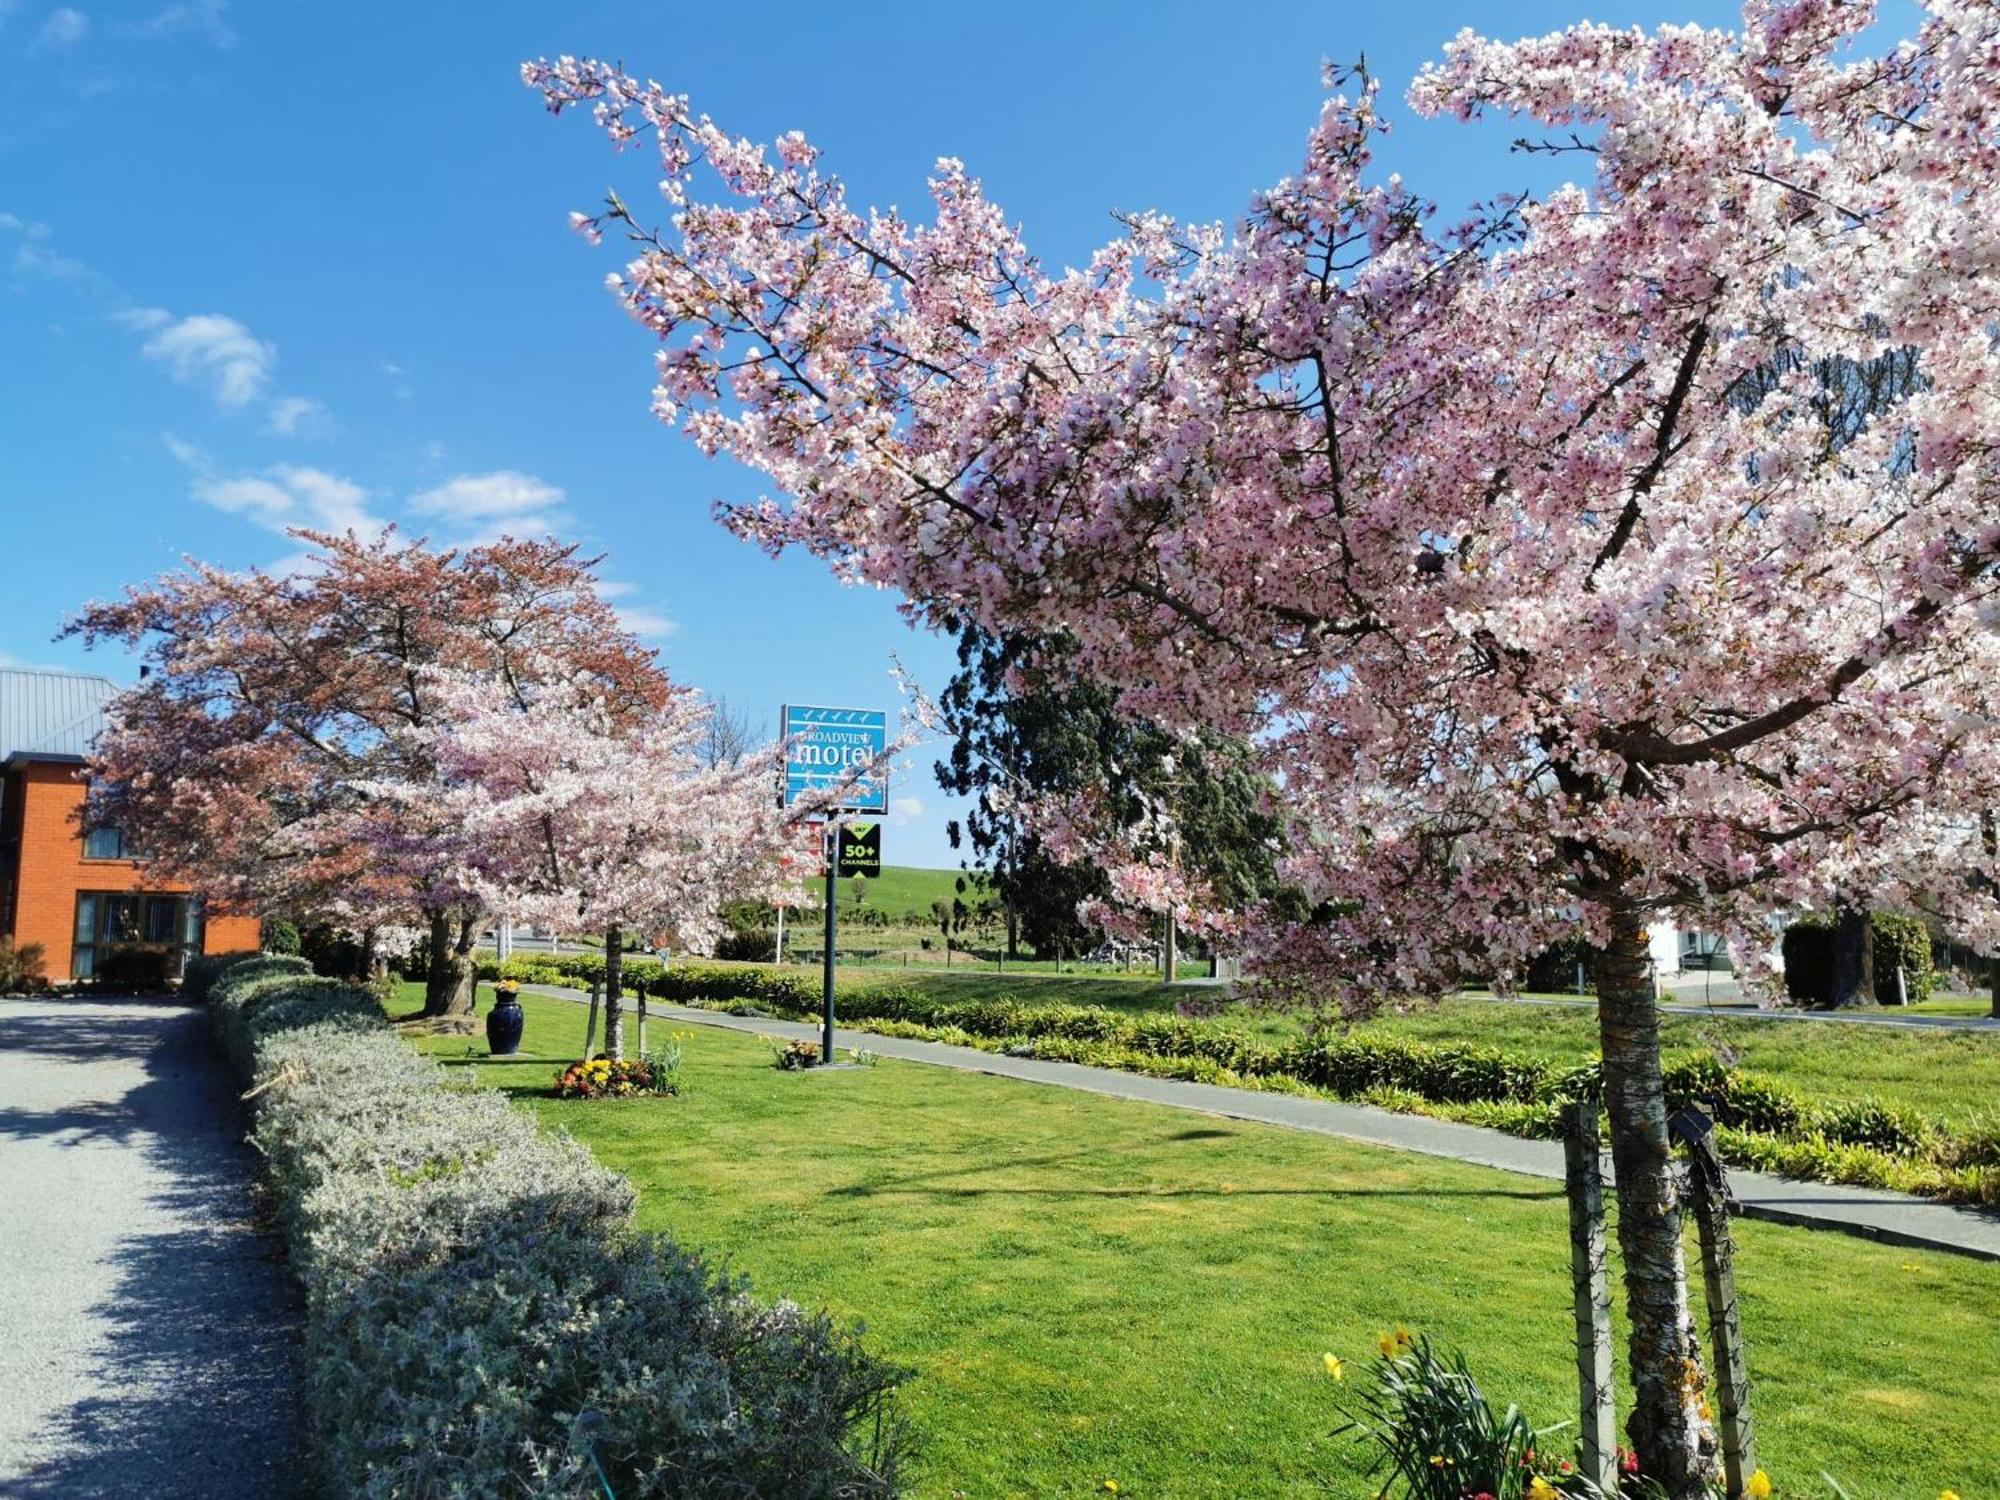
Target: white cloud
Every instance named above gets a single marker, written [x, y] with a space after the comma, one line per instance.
[283, 496]
[904, 811]
[207, 17]
[207, 348]
[187, 453]
[643, 621]
[287, 495]
[488, 506]
[33, 259]
[64, 29]
[290, 413]
[639, 618]
[143, 319]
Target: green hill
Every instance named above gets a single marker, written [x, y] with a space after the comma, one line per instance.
[901, 888]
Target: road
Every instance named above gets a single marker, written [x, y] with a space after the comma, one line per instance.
[148, 1327]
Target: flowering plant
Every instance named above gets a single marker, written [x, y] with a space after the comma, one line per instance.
[794, 1055]
[605, 1078]
[1439, 1436]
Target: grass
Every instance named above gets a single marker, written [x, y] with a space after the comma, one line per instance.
[1951, 1074]
[901, 888]
[1954, 1075]
[1090, 1289]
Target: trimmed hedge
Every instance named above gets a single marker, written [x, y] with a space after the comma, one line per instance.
[483, 1319]
[1898, 1147]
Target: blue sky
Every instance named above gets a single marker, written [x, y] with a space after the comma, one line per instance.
[284, 262]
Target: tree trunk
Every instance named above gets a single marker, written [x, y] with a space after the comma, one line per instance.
[367, 960]
[614, 994]
[1990, 832]
[448, 984]
[1170, 952]
[1013, 931]
[1853, 959]
[1676, 1448]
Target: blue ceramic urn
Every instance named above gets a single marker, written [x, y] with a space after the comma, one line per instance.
[505, 1020]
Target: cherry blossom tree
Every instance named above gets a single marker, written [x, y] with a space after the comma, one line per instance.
[1513, 542]
[267, 699]
[560, 806]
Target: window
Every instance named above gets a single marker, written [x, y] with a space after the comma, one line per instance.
[111, 919]
[104, 843]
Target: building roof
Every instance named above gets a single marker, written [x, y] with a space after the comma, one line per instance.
[50, 715]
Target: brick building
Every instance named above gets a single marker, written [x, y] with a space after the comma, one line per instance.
[79, 895]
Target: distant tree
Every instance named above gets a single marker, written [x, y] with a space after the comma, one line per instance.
[1032, 735]
[728, 735]
[951, 916]
[565, 809]
[237, 761]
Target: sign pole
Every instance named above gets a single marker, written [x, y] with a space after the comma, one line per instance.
[826, 966]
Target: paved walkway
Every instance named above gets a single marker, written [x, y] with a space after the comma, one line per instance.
[1743, 1010]
[1893, 1218]
[147, 1329]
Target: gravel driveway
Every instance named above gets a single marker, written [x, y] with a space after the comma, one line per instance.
[148, 1331]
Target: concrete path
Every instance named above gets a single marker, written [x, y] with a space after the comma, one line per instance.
[1740, 1010]
[1893, 1218]
[148, 1331]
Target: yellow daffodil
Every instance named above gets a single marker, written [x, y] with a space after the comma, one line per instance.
[1437, 1460]
[1540, 1489]
[1402, 1335]
[1387, 1345]
[1947, 1495]
[1758, 1486]
[1334, 1367]
[1111, 1485]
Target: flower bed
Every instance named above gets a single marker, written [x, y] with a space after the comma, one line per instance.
[1763, 1125]
[604, 1078]
[482, 1318]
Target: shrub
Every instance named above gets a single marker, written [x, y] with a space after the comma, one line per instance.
[1899, 942]
[481, 1316]
[1903, 942]
[23, 967]
[136, 969]
[278, 935]
[1808, 952]
[1554, 968]
[203, 970]
[331, 950]
[749, 945]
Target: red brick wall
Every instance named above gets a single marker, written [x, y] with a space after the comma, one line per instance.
[52, 870]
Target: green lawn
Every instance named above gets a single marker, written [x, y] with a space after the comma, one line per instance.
[901, 888]
[1953, 1075]
[1089, 1289]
